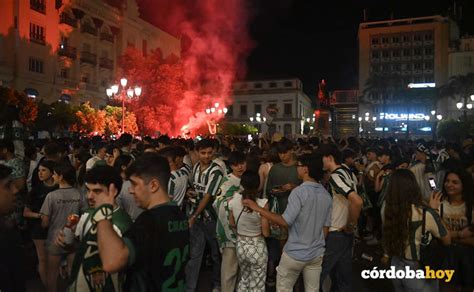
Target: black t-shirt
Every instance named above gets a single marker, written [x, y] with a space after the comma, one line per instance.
[12, 274]
[158, 244]
[37, 195]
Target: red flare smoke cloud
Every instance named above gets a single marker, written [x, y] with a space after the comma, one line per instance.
[216, 43]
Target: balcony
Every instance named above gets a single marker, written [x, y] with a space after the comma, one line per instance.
[67, 51]
[107, 37]
[86, 28]
[107, 63]
[66, 19]
[39, 6]
[38, 39]
[88, 58]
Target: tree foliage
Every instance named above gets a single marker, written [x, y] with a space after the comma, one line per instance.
[452, 130]
[16, 105]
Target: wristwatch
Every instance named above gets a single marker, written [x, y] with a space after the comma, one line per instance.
[103, 212]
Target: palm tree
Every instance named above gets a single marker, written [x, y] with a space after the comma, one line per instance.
[383, 88]
[459, 87]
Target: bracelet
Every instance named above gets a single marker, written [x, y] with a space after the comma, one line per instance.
[103, 212]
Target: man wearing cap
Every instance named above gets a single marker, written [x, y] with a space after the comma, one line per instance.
[99, 157]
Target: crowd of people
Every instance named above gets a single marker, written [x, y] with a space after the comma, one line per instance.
[144, 214]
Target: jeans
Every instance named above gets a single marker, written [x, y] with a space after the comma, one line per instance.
[200, 233]
[411, 285]
[337, 262]
[289, 270]
[274, 253]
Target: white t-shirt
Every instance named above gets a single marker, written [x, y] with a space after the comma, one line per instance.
[455, 216]
[91, 162]
[249, 224]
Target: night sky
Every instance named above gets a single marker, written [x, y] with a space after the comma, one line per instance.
[311, 39]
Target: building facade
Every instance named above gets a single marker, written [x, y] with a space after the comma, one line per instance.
[414, 48]
[283, 104]
[69, 49]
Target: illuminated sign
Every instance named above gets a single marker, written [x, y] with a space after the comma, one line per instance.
[404, 117]
[421, 85]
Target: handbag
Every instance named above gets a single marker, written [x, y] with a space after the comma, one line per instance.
[432, 252]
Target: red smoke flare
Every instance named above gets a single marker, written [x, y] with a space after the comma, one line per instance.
[215, 46]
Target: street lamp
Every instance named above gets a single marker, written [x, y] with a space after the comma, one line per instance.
[214, 113]
[469, 106]
[113, 91]
[439, 117]
[433, 112]
[459, 105]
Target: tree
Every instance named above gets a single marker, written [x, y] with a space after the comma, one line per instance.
[452, 131]
[238, 129]
[89, 120]
[459, 88]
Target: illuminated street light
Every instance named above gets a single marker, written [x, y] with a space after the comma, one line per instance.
[469, 106]
[366, 119]
[216, 105]
[439, 117]
[374, 119]
[427, 118]
[225, 110]
[213, 109]
[459, 105]
[208, 111]
[367, 114]
[130, 93]
[472, 97]
[360, 119]
[433, 112]
[251, 119]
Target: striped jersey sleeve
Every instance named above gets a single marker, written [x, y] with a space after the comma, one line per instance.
[340, 183]
[214, 181]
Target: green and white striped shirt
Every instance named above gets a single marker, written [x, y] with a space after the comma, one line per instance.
[178, 184]
[205, 181]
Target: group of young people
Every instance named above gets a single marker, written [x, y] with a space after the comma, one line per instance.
[133, 215]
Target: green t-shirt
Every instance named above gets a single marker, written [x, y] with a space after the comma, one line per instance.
[87, 271]
[280, 175]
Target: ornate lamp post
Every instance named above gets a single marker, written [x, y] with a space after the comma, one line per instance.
[214, 113]
[113, 91]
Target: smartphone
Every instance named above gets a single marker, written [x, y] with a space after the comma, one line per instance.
[432, 183]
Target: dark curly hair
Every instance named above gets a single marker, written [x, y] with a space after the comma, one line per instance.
[402, 193]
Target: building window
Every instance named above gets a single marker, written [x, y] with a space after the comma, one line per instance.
[243, 86]
[428, 66]
[258, 108]
[386, 68]
[37, 34]
[384, 40]
[385, 54]
[428, 51]
[406, 38]
[396, 67]
[418, 66]
[38, 5]
[428, 37]
[417, 52]
[35, 65]
[243, 109]
[396, 53]
[375, 41]
[406, 52]
[429, 78]
[375, 68]
[230, 111]
[467, 47]
[273, 84]
[406, 66]
[288, 84]
[144, 48]
[64, 73]
[417, 38]
[86, 77]
[375, 55]
[395, 40]
[258, 85]
[287, 130]
[287, 109]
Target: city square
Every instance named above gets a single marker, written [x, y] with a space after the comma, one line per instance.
[236, 145]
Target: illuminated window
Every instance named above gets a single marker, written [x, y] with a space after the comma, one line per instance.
[37, 34]
[35, 65]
